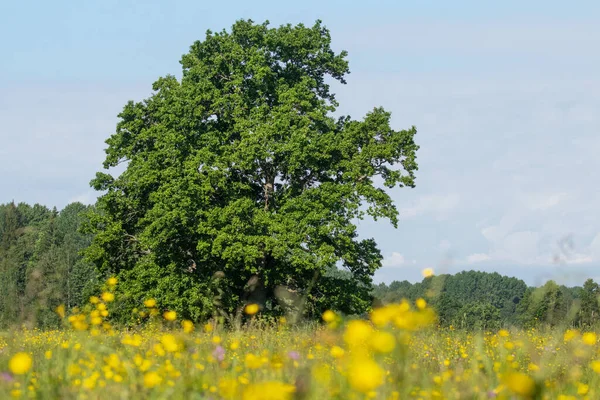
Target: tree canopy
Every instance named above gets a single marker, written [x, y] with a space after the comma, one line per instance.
[241, 169]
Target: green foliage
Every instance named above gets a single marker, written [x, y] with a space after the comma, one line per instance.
[40, 263]
[590, 308]
[240, 169]
[549, 304]
[479, 316]
[469, 299]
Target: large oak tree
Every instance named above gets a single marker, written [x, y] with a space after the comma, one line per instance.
[240, 167]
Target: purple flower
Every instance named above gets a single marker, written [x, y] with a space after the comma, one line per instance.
[219, 353]
[492, 394]
[294, 355]
[6, 377]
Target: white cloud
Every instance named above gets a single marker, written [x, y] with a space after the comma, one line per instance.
[579, 259]
[477, 258]
[394, 260]
[440, 205]
[543, 201]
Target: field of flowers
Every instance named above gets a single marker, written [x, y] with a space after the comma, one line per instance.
[398, 353]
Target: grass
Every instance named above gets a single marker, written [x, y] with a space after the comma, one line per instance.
[398, 354]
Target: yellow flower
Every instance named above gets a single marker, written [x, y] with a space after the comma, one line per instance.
[228, 388]
[187, 325]
[520, 383]
[152, 379]
[60, 310]
[251, 309]
[170, 343]
[365, 375]
[589, 338]
[570, 334]
[252, 361]
[582, 389]
[595, 365]
[108, 297]
[112, 281]
[383, 342]
[427, 272]
[533, 367]
[328, 316]
[170, 315]
[150, 303]
[20, 363]
[357, 332]
[382, 316]
[268, 391]
[503, 333]
[337, 352]
[94, 300]
[421, 304]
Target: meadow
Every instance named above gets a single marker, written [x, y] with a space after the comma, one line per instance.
[399, 352]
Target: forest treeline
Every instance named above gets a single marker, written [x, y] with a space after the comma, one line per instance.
[41, 267]
[483, 300]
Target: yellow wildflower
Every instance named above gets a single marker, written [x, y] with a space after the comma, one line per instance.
[365, 375]
[20, 363]
[252, 362]
[152, 379]
[60, 310]
[357, 332]
[383, 342]
[187, 325]
[170, 343]
[170, 315]
[337, 352]
[268, 391]
[328, 316]
[427, 272]
[251, 309]
[520, 383]
[150, 303]
[108, 297]
[589, 338]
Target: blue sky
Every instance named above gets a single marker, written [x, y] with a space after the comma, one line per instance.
[505, 97]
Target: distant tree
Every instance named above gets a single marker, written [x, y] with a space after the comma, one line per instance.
[41, 264]
[481, 316]
[450, 293]
[447, 307]
[10, 226]
[241, 168]
[590, 310]
[545, 305]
